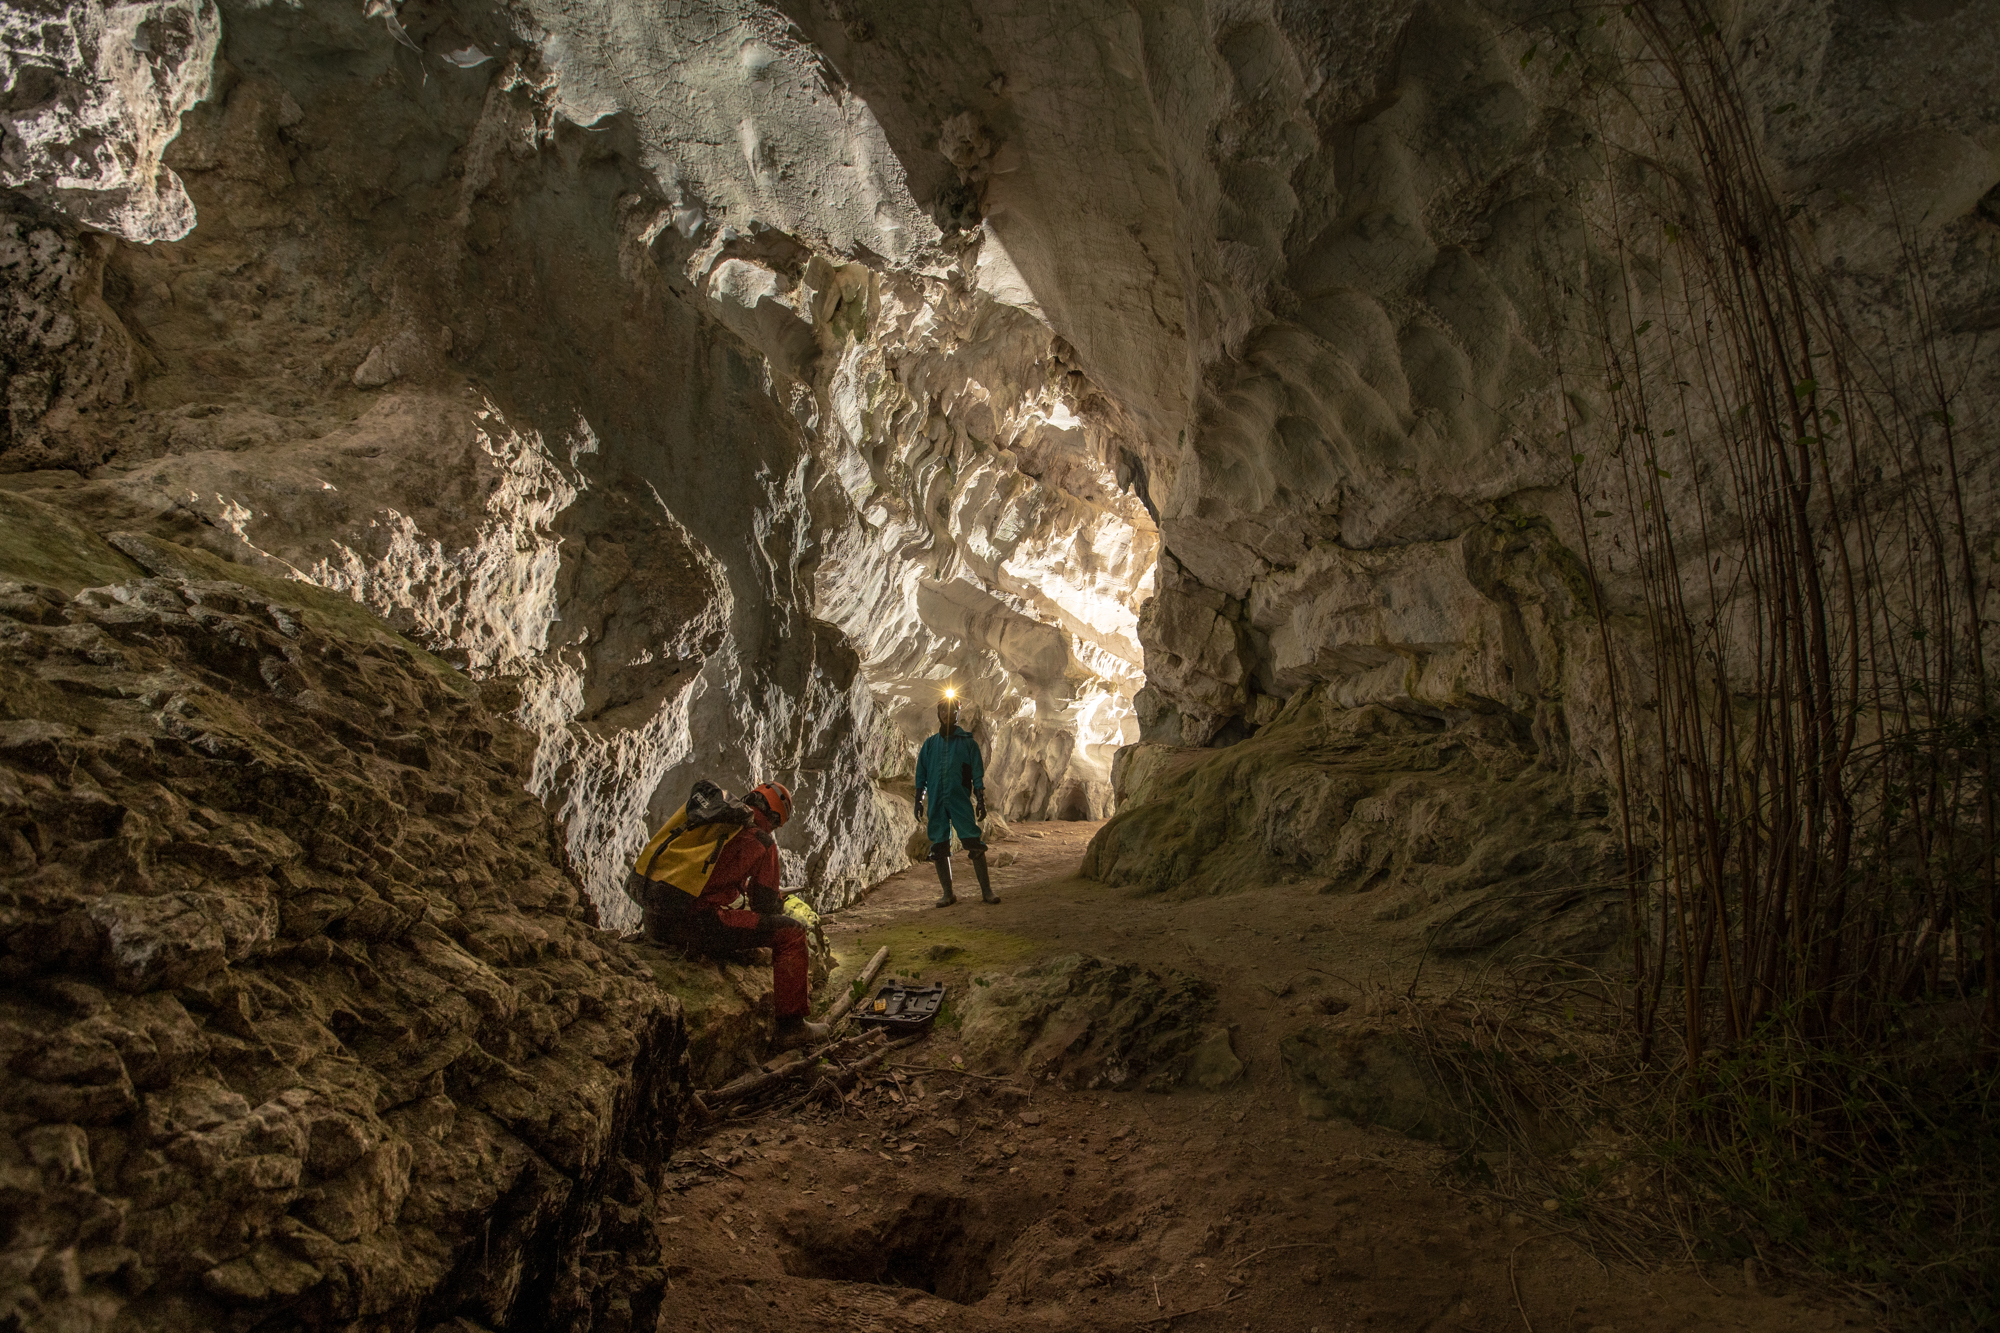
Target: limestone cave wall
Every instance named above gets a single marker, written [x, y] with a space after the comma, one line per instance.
[604, 351]
[1215, 391]
[305, 1017]
[1355, 271]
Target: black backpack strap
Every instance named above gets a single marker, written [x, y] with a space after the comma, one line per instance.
[716, 855]
[646, 870]
[664, 843]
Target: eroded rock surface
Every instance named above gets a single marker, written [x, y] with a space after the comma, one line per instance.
[94, 92]
[1461, 826]
[304, 1018]
[731, 382]
[612, 353]
[1350, 266]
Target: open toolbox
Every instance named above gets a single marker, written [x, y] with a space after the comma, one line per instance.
[901, 1007]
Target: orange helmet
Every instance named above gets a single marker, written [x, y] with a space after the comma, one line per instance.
[776, 798]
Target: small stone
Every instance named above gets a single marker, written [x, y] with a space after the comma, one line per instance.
[62, 1152]
[1031, 1117]
[1551, 1206]
[264, 1275]
[1213, 1064]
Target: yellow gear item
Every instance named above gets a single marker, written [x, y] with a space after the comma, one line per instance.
[801, 911]
[683, 856]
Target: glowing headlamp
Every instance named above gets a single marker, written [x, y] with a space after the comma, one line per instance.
[950, 692]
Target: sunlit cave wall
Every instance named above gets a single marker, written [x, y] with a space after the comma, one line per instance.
[978, 510]
[986, 539]
[1330, 258]
[608, 351]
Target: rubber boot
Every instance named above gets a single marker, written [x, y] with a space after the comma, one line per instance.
[943, 864]
[986, 894]
[791, 1033]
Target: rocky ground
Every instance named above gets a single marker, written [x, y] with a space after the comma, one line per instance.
[307, 1023]
[961, 1190]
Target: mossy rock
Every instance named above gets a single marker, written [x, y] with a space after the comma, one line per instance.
[323, 608]
[41, 544]
[1462, 827]
[1092, 1022]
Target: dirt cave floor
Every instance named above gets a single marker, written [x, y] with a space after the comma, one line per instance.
[936, 1199]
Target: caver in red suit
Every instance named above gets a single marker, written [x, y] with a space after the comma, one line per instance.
[748, 869]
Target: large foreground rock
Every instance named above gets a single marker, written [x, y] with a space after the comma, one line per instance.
[304, 1021]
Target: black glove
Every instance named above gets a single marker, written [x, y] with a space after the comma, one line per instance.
[979, 803]
[920, 809]
[766, 902]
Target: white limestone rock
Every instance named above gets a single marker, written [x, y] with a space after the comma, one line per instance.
[94, 93]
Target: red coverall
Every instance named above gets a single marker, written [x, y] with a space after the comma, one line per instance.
[749, 864]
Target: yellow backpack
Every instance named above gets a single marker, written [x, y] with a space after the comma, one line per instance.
[684, 851]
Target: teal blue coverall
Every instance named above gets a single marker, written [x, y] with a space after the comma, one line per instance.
[949, 770]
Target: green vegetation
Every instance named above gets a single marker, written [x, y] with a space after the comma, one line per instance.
[41, 544]
[939, 952]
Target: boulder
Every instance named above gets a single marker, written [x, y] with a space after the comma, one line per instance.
[1459, 826]
[304, 1015]
[1091, 1022]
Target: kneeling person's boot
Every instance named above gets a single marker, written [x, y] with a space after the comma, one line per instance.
[795, 1030]
[986, 894]
[941, 858]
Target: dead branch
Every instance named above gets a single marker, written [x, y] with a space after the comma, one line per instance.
[715, 1099]
[846, 1002]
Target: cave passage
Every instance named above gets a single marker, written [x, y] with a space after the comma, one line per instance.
[1460, 534]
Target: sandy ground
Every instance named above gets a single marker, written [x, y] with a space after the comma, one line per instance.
[939, 1200]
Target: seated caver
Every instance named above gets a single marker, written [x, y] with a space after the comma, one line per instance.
[708, 880]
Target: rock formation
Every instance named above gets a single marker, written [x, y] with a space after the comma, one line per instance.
[305, 1019]
[679, 410]
[95, 93]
